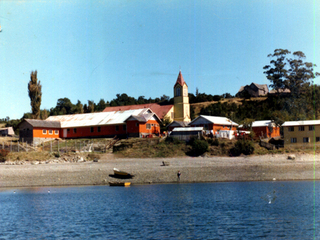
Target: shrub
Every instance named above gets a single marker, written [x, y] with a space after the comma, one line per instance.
[3, 155]
[173, 140]
[242, 146]
[213, 141]
[199, 147]
[93, 156]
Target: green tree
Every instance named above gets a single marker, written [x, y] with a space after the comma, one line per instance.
[101, 105]
[165, 122]
[44, 114]
[276, 72]
[35, 94]
[300, 74]
[90, 106]
[79, 107]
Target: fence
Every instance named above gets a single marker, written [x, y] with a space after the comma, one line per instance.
[64, 146]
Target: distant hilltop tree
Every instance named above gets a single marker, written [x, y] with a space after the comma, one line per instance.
[35, 94]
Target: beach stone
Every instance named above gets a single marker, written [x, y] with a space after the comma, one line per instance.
[292, 157]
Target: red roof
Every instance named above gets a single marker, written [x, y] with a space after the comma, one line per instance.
[180, 80]
[161, 111]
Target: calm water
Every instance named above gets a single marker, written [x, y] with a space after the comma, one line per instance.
[245, 210]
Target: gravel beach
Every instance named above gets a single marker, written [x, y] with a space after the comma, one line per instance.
[152, 171]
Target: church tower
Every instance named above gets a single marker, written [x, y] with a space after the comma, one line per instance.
[181, 100]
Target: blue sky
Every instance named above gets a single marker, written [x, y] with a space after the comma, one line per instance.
[88, 50]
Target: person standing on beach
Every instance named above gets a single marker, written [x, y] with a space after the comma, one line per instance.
[178, 175]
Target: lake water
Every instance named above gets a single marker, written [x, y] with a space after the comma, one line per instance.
[243, 210]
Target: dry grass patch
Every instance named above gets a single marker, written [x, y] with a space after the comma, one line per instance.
[149, 148]
[29, 156]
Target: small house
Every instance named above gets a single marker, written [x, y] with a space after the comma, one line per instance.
[7, 131]
[176, 124]
[213, 124]
[253, 90]
[36, 131]
[264, 129]
[187, 133]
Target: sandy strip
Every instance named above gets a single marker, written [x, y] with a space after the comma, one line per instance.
[149, 170]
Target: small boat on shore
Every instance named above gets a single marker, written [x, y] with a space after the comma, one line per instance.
[122, 184]
[121, 173]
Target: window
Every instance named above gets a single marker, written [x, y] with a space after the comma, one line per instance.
[301, 128]
[317, 139]
[92, 129]
[124, 127]
[44, 131]
[290, 129]
[137, 124]
[99, 129]
[148, 126]
[185, 93]
[74, 130]
[117, 128]
[50, 132]
[306, 139]
[311, 128]
[178, 91]
[68, 130]
[293, 140]
[56, 132]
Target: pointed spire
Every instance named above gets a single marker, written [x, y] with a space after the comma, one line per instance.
[180, 80]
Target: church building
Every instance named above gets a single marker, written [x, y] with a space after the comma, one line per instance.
[179, 113]
[181, 100]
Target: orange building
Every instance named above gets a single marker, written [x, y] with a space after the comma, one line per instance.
[213, 124]
[130, 123]
[265, 129]
[34, 131]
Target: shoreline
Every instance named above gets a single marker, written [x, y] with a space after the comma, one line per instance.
[150, 171]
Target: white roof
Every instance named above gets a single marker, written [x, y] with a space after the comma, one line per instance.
[301, 123]
[187, 129]
[215, 120]
[262, 123]
[99, 118]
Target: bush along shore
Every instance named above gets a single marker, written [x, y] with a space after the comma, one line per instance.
[158, 161]
[152, 148]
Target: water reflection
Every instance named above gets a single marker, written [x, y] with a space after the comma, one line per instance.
[174, 211]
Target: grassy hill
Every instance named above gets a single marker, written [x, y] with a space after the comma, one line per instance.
[198, 106]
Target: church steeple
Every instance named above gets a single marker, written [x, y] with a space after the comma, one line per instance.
[180, 80]
[181, 100]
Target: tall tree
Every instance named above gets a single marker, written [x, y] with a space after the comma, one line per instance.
[300, 74]
[35, 94]
[90, 106]
[277, 72]
[79, 107]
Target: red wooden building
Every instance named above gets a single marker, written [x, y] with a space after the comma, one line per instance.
[264, 129]
[213, 123]
[130, 123]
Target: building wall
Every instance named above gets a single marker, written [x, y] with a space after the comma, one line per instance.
[130, 129]
[95, 131]
[25, 132]
[170, 114]
[264, 132]
[49, 133]
[214, 127]
[181, 104]
[312, 135]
